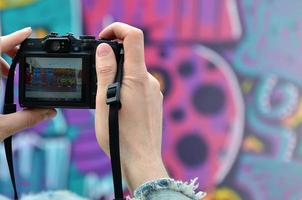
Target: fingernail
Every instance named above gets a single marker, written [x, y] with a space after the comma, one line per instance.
[103, 50]
[27, 29]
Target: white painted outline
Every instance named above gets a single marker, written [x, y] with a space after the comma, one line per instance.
[238, 124]
[232, 7]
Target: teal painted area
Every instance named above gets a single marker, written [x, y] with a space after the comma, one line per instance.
[58, 125]
[281, 137]
[76, 180]
[73, 132]
[272, 40]
[53, 15]
[300, 149]
[261, 173]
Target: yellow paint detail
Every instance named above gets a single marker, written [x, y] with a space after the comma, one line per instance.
[5, 4]
[294, 120]
[40, 32]
[246, 86]
[253, 144]
[225, 193]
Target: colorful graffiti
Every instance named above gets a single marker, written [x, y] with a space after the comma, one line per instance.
[229, 71]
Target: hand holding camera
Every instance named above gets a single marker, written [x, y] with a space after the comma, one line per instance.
[26, 118]
[63, 71]
[141, 112]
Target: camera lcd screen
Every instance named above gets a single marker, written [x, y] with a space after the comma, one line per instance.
[53, 79]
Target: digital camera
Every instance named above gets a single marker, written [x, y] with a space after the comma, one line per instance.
[59, 71]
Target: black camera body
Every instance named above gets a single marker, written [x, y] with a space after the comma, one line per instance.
[59, 71]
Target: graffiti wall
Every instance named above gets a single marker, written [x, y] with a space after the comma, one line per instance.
[229, 71]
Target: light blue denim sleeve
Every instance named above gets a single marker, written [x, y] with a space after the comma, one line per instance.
[167, 188]
[161, 189]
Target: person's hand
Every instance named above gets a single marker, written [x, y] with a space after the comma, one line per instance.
[12, 123]
[140, 117]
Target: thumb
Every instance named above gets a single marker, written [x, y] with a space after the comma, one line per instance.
[105, 65]
[105, 68]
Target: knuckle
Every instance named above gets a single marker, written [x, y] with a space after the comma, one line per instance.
[104, 69]
[161, 96]
[156, 88]
[105, 66]
[155, 83]
[116, 24]
[34, 117]
[141, 79]
[32, 121]
[137, 33]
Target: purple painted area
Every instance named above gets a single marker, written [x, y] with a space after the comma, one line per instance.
[162, 7]
[78, 117]
[41, 127]
[89, 3]
[117, 5]
[88, 156]
[207, 14]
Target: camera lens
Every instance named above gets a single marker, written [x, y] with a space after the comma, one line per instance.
[55, 46]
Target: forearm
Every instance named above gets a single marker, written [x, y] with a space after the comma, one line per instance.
[138, 172]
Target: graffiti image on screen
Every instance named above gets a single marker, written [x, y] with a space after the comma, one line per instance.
[53, 78]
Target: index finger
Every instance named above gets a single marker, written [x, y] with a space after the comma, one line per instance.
[133, 41]
[14, 122]
[9, 42]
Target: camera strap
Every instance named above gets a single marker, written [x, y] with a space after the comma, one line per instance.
[113, 100]
[10, 107]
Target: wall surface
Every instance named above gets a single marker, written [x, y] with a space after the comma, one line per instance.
[230, 71]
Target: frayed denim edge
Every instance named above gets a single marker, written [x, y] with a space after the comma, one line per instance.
[185, 188]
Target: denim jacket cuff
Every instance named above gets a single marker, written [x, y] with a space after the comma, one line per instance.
[187, 189]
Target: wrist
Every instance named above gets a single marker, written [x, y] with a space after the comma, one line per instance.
[139, 171]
